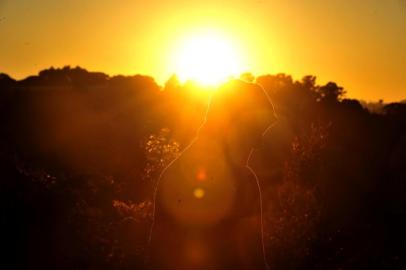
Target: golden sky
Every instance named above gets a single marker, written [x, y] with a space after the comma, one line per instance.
[360, 44]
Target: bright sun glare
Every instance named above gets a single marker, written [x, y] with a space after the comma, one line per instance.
[207, 58]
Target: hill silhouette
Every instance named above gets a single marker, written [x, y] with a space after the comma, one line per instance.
[81, 152]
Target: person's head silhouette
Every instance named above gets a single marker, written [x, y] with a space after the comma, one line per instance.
[239, 114]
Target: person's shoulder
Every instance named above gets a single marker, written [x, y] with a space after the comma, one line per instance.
[248, 176]
[171, 169]
[248, 172]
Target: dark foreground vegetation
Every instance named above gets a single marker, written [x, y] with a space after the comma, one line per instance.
[80, 153]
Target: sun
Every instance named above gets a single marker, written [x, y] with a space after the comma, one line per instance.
[207, 58]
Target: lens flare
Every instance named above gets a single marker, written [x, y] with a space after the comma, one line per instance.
[201, 175]
[199, 193]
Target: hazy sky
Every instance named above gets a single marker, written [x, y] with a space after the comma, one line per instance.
[360, 44]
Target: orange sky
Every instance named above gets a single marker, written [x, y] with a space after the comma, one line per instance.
[358, 44]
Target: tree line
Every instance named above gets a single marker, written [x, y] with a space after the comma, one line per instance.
[80, 153]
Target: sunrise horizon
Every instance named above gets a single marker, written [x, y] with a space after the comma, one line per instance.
[358, 46]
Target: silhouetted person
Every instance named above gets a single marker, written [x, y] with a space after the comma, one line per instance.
[208, 209]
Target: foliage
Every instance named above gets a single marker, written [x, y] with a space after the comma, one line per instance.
[80, 152]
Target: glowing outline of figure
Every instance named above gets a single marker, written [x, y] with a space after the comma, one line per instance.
[246, 165]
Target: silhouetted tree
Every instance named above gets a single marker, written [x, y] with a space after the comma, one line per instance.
[331, 92]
